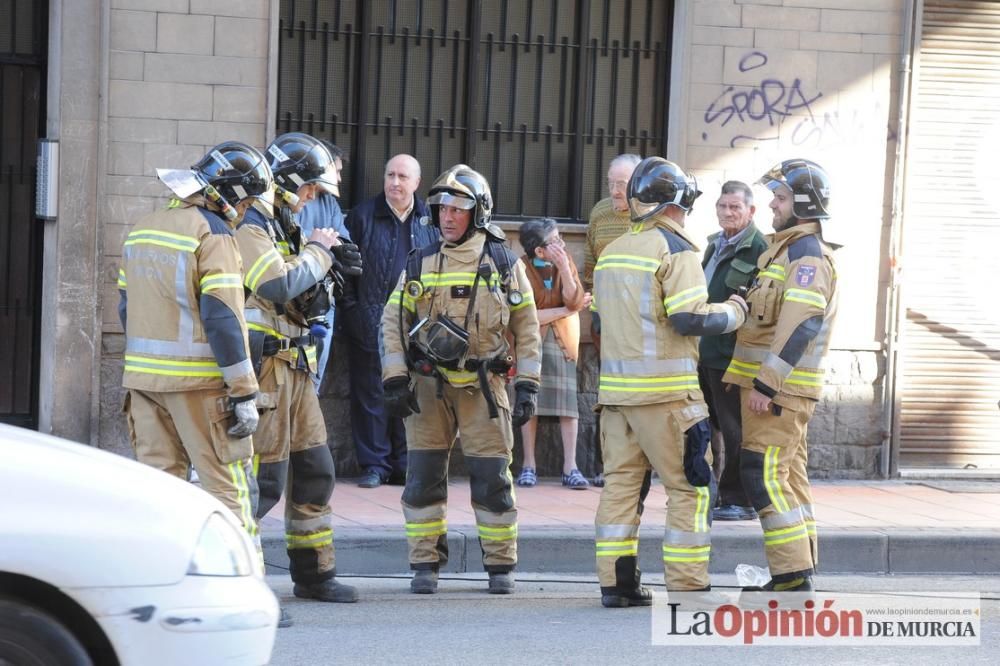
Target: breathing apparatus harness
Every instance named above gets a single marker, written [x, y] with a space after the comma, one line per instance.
[440, 342]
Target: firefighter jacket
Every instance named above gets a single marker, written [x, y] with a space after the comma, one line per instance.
[792, 308]
[650, 291]
[275, 275]
[181, 304]
[447, 274]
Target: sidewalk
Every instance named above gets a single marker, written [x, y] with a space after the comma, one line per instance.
[864, 527]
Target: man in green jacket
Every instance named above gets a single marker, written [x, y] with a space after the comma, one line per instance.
[730, 262]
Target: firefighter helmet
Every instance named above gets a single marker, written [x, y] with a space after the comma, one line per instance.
[657, 183]
[465, 188]
[298, 159]
[809, 183]
[237, 171]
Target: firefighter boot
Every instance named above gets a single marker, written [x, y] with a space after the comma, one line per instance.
[327, 590]
[800, 586]
[425, 581]
[501, 582]
[628, 590]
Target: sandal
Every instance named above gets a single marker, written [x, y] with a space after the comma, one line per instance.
[528, 477]
[575, 480]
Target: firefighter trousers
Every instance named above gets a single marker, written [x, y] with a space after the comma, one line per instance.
[486, 445]
[292, 452]
[773, 466]
[173, 431]
[673, 438]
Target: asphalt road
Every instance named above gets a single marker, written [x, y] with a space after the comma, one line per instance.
[559, 619]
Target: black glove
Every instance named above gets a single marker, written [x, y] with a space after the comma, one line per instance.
[346, 259]
[400, 401]
[525, 398]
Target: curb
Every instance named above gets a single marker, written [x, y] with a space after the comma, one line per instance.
[383, 550]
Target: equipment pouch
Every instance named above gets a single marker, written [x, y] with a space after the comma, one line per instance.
[228, 449]
[696, 442]
[441, 340]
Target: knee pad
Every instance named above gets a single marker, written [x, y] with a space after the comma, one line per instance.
[752, 474]
[270, 482]
[312, 476]
[426, 479]
[491, 487]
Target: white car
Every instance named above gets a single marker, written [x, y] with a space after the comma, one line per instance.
[107, 561]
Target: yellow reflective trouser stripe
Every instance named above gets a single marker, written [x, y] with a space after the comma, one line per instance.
[297, 541]
[771, 482]
[238, 476]
[498, 533]
[156, 366]
[163, 239]
[431, 529]
[785, 535]
[805, 296]
[686, 553]
[122, 283]
[221, 281]
[811, 527]
[622, 548]
[679, 300]
[529, 299]
[263, 262]
[701, 508]
[773, 271]
[648, 384]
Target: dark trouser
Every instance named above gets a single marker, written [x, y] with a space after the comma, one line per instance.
[725, 408]
[379, 440]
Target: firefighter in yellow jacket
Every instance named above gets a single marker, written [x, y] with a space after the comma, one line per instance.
[286, 277]
[444, 369]
[650, 293]
[191, 385]
[776, 363]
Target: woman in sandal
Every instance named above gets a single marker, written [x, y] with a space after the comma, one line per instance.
[559, 296]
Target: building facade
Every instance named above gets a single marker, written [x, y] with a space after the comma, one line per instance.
[896, 98]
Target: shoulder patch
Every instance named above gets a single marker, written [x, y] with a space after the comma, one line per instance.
[674, 242]
[216, 223]
[807, 246]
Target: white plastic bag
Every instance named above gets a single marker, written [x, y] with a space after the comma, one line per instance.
[747, 575]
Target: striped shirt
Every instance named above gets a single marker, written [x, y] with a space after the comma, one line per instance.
[606, 224]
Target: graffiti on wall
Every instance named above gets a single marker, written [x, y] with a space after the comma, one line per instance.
[765, 110]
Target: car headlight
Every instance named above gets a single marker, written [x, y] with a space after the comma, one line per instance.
[221, 550]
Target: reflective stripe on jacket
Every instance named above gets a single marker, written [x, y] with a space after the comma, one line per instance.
[447, 277]
[275, 277]
[650, 291]
[180, 283]
[792, 308]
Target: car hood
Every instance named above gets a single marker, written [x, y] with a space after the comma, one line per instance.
[75, 516]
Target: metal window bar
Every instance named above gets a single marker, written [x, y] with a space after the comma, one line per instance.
[472, 81]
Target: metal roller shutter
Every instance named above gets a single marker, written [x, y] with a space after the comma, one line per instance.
[948, 381]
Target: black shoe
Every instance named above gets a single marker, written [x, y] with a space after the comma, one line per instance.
[328, 590]
[424, 581]
[370, 479]
[733, 512]
[758, 597]
[284, 619]
[501, 583]
[641, 596]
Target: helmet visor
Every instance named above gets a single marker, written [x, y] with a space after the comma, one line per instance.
[445, 198]
[329, 180]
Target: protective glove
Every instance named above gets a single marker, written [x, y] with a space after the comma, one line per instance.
[400, 401]
[525, 398]
[346, 259]
[246, 419]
